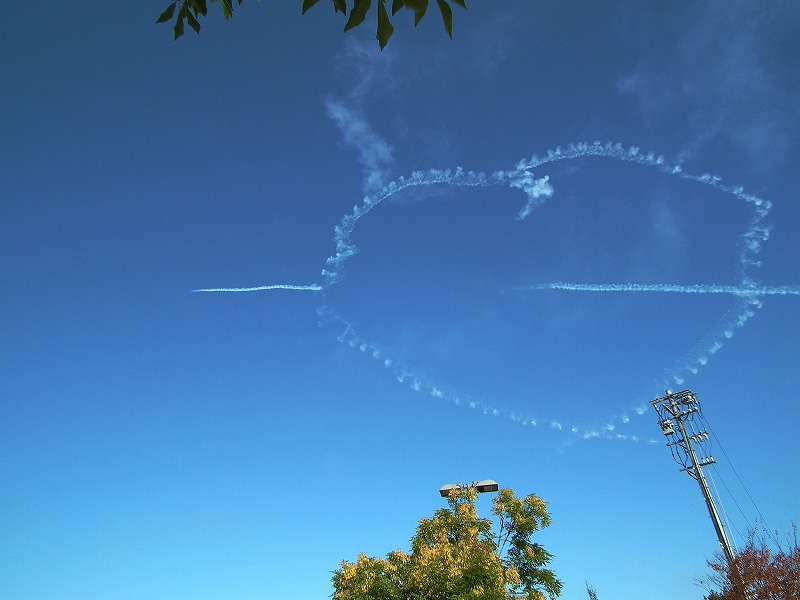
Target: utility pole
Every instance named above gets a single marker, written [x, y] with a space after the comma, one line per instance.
[680, 409]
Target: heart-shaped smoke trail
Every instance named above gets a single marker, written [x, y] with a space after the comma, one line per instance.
[747, 292]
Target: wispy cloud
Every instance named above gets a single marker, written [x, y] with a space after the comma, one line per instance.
[720, 82]
[373, 72]
[374, 153]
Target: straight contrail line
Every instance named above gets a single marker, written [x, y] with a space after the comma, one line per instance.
[758, 290]
[278, 286]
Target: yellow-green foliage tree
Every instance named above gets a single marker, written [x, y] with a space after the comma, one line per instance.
[455, 555]
[188, 11]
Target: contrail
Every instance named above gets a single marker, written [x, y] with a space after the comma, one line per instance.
[278, 286]
[538, 190]
[759, 290]
[406, 375]
[375, 156]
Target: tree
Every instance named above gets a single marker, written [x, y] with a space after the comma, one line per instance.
[187, 11]
[590, 591]
[760, 571]
[455, 555]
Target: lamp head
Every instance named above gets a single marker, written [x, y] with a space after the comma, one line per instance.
[487, 485]
[445, 490]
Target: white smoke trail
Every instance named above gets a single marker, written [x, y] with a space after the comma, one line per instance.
[277, 286]
[761, 290]
[375, 155]
[408, 376]
[538, 190]
[535, 189]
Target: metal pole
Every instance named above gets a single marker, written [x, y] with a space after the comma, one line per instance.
[679, 407]
[701, 480]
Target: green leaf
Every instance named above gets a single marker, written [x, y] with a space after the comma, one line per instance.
[385, 29]
[200, 7]
[461, 3]
[358, 14]
[193, 22]
[308, 4]
[178, 27]
[419, 7]
[167, 14]
[397, 5]
[447, 16]
[227, 9]
[340, 6]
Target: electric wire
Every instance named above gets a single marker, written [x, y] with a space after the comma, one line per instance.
[733, 497]
[741, 483]
[746, 491]
[728, 521]
[711, 439]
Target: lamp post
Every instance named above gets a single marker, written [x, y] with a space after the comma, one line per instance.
[485, 485]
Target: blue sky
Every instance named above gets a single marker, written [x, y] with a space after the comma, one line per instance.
[160, 443]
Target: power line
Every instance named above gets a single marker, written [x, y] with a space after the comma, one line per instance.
[679, 417]
[744, 487]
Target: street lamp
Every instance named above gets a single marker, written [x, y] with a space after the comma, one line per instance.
[485, 485]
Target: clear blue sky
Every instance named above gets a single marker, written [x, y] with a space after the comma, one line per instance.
[161, 444]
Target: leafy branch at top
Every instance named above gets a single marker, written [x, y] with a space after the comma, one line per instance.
[188, 11]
